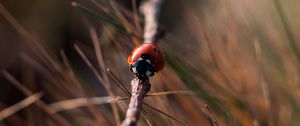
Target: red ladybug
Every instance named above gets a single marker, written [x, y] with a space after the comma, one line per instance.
[145, 60]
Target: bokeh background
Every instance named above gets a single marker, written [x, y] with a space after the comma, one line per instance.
[240, 58]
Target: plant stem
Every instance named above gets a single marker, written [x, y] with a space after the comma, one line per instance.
[139, 91]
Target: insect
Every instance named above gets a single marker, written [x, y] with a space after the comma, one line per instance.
[145, 60]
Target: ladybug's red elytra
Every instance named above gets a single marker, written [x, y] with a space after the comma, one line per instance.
[145, 60]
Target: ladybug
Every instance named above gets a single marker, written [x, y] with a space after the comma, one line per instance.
[145, 60]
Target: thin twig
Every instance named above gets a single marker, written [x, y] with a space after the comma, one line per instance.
[139, 90]
[151, 10]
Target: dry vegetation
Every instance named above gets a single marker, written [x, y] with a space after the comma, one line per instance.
[240, 59]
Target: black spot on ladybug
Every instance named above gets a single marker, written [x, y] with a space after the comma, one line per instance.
[161, 62]
[155, 49]
[145, 56]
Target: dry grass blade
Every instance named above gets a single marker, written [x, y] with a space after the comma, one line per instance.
[128, 27]
[43, 106]
[119, 83]
[104, 81]
[170, 92]
[101, 63]
[212, 119]
[97, 47]
[166, 114]
[19, 106]
[81, 102]
[65, 59]
[149, 121]
[88, 63]
[136, 18]
[106, 20]
[80, 89]
[287, 29]
[35, 46]
[16, 83]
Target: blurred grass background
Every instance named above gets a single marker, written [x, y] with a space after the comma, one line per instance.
[241, 58]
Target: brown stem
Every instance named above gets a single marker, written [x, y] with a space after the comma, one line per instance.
[139, 90]
[151, 9]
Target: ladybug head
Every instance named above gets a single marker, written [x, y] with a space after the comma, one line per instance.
[142, 68]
